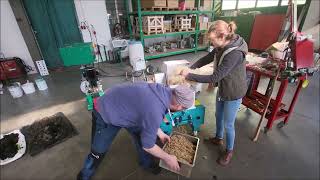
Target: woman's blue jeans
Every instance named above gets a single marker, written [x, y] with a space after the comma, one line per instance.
[101, 139]
[226, 112]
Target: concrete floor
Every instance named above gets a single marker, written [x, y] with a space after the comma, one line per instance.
[288, 153]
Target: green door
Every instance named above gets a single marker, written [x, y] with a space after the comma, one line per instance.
[55, 25]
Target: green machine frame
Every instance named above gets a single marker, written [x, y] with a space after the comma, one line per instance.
[142, 36]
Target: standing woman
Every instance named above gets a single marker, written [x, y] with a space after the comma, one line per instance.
[230, 77]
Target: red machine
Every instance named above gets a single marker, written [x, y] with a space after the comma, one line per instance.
[295, 68]
[302, 51]
[11, 68]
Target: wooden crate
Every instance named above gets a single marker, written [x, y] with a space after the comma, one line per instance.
[153, 3]
[182, 23]
[153, 25]
[167, 25]
[172, 3]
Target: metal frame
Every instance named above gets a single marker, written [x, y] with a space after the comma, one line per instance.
[277, 112]
[142, 36]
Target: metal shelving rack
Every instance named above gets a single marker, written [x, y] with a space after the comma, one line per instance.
[142, 36]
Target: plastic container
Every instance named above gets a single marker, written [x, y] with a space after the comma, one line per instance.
[41, 84]
[136, 52]
[185, 168]
[28, 88]
[15, 90]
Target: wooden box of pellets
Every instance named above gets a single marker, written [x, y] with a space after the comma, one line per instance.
[185, 148]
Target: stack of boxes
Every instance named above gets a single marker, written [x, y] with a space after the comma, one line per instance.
[206, 5]
[186, 4]
[153, 3]
[172, 3]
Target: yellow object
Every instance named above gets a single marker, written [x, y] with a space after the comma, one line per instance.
[305, 83]
[197, 102]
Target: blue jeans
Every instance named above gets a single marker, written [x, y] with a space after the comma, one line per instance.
[226, 112]
[101, 139]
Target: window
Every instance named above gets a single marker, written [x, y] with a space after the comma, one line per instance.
[285, 2]
[246, 4]
[229, 4]
[267, 3]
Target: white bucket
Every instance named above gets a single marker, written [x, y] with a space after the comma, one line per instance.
[15, 90]
[136, 52]
[28, 88]
[41, 84]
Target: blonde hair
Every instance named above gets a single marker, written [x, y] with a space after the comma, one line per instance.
[223, 29]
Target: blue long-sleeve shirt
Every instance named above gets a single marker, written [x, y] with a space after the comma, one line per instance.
[139, 105]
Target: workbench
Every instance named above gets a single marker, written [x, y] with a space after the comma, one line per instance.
[257, 101]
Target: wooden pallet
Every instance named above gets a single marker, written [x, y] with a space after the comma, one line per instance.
[151, 25]
[173, 9]
[155, 9]
[182, 22]
[190, 9]
[156, 31]
[186, 30]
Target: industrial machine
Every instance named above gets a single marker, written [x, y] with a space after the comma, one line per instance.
[295, 67]
[299, 57]
[83, 54]
[90, 85]
[193, 117]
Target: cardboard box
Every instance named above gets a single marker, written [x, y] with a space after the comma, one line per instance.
[168, 67]
[183, 4]
[189, 3]
[172, 3]
[153, 3]
[203, 19]
[206, 5]
[203, 26]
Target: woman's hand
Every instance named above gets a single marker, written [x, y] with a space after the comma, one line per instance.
[184, 72]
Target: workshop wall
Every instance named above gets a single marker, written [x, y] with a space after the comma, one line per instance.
[117, 14]
[95, 13]
[12, 42]
[245, 21]
[311, 24]
[313, 15]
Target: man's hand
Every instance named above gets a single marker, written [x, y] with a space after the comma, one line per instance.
[172, 162]
[162, 136]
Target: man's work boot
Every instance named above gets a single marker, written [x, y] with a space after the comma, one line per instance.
[225, 159]
[215, 141]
